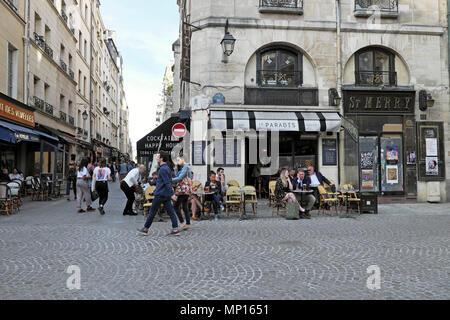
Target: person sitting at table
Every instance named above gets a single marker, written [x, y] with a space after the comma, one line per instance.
[293, 177]
[317, 179]
[4, 176]
[283, 190]
[307, 200]
[215, 187]
[15, 175]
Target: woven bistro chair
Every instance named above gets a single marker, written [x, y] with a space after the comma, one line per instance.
[233, 200]
[233, 183]
[148, 198]
[15, 193]
[328, 198]
[6, 200]
[251, 198]
[272, 199]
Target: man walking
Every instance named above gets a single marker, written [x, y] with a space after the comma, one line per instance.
[163, 195]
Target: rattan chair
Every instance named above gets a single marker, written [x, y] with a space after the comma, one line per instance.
[233, 200]
[6, 200]
[328, 198]
[251, 198]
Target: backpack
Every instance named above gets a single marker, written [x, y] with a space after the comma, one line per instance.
[292, 211]
[72, 172]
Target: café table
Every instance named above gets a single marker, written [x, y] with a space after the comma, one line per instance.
[203, 195]
[244, 193]
[346, 193]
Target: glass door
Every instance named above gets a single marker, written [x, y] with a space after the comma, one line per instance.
[391, 156]
[368, 149]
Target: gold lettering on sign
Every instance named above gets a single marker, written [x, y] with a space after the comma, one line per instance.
[387, 103]
[397, 103]
[368, 103]
[408, 101]
[352, 102]
[378, 103]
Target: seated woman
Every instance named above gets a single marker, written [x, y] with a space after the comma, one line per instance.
[15, 175]
[283, 189]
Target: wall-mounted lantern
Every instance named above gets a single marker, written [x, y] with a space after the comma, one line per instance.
[334, 98]
[425, 100]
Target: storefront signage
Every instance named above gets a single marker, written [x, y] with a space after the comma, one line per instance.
[379, 102]
[15, 113]
[186, 53]
[277, 125]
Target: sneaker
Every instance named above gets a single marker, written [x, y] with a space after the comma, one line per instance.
[182, 226]
[132, 213]
[101, 210]
[81, 211]
[216, 217]
[187, 227]
[143, 231]
[90, 209]
[222, 208]
[174, 233]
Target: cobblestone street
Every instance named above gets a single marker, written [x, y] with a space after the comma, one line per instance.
[263, 258]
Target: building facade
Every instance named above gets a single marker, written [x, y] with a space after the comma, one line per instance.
[358, 89]
[65, 76]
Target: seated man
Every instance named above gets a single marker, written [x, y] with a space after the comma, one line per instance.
[317, 179]
[306, 200]
[4, 176]
[292, 177]
[212, 185]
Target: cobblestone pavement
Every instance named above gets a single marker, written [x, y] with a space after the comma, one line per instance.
[263, 258]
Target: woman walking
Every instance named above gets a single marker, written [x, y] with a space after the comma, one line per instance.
[283, 190]
[71, 178]
[83, 192]
[183, 188]
[101, 176]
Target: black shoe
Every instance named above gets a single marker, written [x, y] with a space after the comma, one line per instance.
[101, 210]
[90, 209]
[305, 216]
[81, 211]
[132, 213]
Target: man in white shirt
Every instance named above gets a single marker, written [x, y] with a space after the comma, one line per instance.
[128, 186]
[100, 178]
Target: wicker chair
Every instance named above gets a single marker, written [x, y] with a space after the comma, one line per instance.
[251, 198]
[6, 200]
[328, 198]
[233, 200]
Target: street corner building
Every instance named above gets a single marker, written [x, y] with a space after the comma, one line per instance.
[61, 89]
[358, 89]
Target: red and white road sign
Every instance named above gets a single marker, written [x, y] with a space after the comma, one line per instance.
[179, 130]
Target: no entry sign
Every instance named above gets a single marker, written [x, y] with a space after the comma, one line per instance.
[179, 130]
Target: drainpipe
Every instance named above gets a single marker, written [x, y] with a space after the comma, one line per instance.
[448, 34]
[26, 55]
[339, 71]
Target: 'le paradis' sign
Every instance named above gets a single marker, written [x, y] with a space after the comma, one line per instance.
[379, 102]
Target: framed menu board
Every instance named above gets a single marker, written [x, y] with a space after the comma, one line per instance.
[198, 151]
[329, 152]
[431, 157]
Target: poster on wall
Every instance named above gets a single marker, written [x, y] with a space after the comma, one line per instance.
[431, 147]
[432, 166]
[367, 160]
[392, 153]
[392, 174]
[367, 179]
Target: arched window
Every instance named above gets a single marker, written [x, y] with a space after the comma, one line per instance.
[375, 67]
[279, 67]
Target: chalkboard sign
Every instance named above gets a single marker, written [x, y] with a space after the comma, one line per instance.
[329, 152]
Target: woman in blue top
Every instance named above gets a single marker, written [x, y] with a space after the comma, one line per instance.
[182, 179]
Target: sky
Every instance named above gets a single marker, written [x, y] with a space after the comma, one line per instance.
[145, 32]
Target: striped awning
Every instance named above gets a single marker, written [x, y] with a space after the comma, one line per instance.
[276, 121]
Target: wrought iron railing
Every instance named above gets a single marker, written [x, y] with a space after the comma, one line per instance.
[80, 131]
[278, 78]
[39, 40]
[376, 78]
[39, 103]
[48, 50]
[63, 116]
[63, 65]
[382, 5]
[64, 16]
[48, 108]
[71, 121]
[98, 136]
[85, 133]
[11, 4]
[72, 74]
[294, 4]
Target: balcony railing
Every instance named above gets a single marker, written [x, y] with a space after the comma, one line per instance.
[71, 121]
[278, 78]
[376, 78]
[98, 136]
[80, 131]
[63, 116]
[48, 108]
[63, 65]
[48, 51]
[85, 133]
[64, 16]
[281, 6]
[281, 96]
[11, 4]
[39, 40]
[71, 74]
[385, 6]
[39, 103]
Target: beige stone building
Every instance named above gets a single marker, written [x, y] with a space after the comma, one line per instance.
[359, 89]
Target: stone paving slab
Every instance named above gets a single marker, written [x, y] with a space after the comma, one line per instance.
[263, 258]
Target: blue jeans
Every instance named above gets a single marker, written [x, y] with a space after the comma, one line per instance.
[72, 181]
[156, 203]
[215, 200]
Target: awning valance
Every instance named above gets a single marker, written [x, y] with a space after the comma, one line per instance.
[148, 145]
[276, 121]
[19, 133]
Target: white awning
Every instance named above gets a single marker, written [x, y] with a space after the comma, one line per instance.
[276, 121]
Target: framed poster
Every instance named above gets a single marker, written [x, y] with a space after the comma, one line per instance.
[392, 174]
[432, 148]
[329, 152]
[367, 179]
[432, 166]
[198, 152]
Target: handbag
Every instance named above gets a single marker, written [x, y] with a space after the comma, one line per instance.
[292, 211]
[185, 185]
[94, 195]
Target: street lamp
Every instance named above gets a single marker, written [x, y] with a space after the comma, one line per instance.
[227, 43]
[85, 115]
[334, 98]
[425, 100]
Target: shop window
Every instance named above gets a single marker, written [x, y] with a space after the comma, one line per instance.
[375, 67]
[280, 67]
